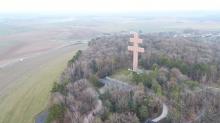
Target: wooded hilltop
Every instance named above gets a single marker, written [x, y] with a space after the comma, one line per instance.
[183, 72]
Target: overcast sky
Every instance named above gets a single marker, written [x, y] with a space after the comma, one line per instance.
[107, 5]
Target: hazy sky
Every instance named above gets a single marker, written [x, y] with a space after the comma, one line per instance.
[106, 5]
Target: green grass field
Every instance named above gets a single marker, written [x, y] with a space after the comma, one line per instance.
[123, 75]
[32, 91]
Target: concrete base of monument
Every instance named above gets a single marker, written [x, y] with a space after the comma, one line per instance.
[138, 71]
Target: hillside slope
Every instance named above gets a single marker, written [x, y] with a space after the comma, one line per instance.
[176, 71]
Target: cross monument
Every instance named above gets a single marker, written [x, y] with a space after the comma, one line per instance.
[135, 49]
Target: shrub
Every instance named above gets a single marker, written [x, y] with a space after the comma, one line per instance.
[105, 115]
[170, 63]
[142, 112]
[94, 66]
[137, 78]
[146, 79]
[131, 105]
[123, 118]
[75, 57]
[192, 84]
[56, 112]
[58, 88]
[106, 95]
[157, 88]
[175, 92]
[94, 80]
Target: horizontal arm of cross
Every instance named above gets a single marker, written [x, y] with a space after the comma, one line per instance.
[136, 40]
[141, 50]
[137, 49]
[130, 48]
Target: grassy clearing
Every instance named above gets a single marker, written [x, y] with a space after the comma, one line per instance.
[30, 97]
[123, 75]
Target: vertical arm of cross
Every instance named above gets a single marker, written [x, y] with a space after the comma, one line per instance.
[136, 40]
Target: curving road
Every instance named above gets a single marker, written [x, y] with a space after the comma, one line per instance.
[163, 114]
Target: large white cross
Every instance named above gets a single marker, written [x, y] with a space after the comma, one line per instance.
[136, 40]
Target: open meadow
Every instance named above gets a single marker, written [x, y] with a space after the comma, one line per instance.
[25, 86]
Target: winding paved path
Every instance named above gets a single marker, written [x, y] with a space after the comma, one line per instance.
[163, 114]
